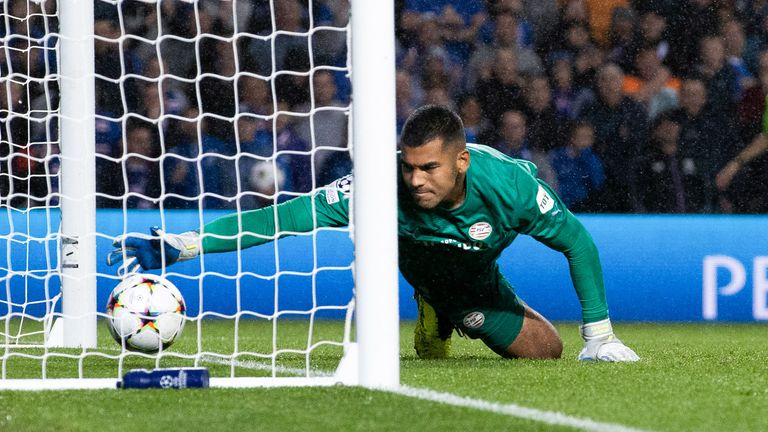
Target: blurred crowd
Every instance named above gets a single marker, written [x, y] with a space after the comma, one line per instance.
[624, 105]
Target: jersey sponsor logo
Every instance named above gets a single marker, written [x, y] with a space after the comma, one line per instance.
[474, 320]
[343, 185]
[480, 230]
[545, 200]
[331, 195]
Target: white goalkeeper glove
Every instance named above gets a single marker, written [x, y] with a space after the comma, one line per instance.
[147, 252]
[600, 344]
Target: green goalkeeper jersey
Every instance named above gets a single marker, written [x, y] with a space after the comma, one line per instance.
[448, 255]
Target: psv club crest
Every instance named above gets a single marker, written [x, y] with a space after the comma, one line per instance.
[480, 230]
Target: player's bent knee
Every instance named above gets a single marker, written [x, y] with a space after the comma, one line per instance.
[538, 339]
[547, 348]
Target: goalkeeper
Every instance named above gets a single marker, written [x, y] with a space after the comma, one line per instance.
[460, 205]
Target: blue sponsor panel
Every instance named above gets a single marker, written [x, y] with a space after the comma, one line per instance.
[657, 268]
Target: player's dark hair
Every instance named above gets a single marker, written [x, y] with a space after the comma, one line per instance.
[430, 122]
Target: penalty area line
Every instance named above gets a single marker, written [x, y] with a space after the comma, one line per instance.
[513, 410]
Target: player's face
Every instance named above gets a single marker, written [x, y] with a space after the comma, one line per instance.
[434, 174]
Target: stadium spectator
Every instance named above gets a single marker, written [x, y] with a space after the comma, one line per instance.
[502, 90]
[439, 96]
[543, 16]
[575, 38]
[459, 23]
[505, 36]
[565, 94]
[545, 125]
[704, 138]
[475, 125]
[178, 25]
[573, 24]
[522, 27]
[261, 175]
[174, 98]
[586, 63]
[743, 178]
[621, 37]
[669, 182]
[109, 148]
[720, 78]
[290, 17]
[255, 96]
[620, 136]
[142, 174]
[325, 129]
[180, 168]
[217, 88]
[438, 72]
[579, 171]
[602, 18]
[652, 32]
[756, 27]
[653, 85]
[114, 63]
[734, 41]
[218, 173]
[293, 153]
[690, 22]
[407, 96]
[513, 141]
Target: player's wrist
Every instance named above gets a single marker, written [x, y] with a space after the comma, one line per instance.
[596, 330]
[187, 243]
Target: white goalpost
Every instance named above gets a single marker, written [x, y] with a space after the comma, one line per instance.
[77, 259]
[238, 106]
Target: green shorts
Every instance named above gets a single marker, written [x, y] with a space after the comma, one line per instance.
[497, 323]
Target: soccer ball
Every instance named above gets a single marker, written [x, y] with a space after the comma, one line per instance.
[146, 313]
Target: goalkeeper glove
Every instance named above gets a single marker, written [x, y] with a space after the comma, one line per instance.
[601, 344]
[134, 251]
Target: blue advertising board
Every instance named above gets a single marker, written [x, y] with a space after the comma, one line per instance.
[656, 268]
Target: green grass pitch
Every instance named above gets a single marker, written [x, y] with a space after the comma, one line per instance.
[692, 377]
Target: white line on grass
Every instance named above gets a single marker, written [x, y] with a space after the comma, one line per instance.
[548, 417]
[262, 366]
[512, 410]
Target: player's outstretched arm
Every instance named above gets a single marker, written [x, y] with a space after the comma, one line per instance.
[152, 252]
[601, 344]
[326, 207]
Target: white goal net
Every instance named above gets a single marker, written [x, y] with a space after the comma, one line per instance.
[189, 111]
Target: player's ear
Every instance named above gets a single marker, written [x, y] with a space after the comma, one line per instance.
[462, 161]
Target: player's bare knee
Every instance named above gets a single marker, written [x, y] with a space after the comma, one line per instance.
[549, 347]
[556, 347]
[537, 340]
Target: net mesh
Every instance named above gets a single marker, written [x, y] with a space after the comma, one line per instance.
[202, 108]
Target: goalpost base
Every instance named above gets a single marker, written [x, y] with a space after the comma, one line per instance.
[55, 336]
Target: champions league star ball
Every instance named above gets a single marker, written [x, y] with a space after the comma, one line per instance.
[146, 313]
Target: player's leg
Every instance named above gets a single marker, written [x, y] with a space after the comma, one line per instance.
[538, 338]
[510, 327]
[432, 335]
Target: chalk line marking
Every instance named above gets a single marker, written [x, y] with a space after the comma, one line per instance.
[512, 410]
